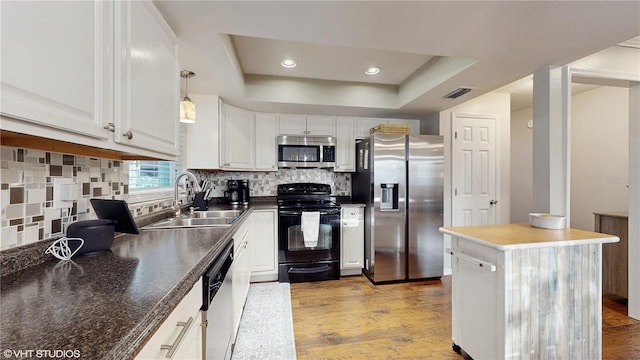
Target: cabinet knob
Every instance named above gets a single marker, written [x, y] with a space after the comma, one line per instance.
[128, 135]
[493, 202]
[110, 126]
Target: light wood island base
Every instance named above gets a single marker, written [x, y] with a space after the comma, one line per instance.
[524, 292]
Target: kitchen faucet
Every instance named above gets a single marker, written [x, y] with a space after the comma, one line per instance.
[176, 204]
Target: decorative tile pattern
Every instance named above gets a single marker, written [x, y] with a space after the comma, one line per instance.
[26, 192]
[266, 327]
[266, 183]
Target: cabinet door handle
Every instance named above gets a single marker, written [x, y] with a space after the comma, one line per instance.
[173, 347]
[110, 126]
[128, 135]
[481, 263]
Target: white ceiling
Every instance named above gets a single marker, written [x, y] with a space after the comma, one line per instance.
[425, 49]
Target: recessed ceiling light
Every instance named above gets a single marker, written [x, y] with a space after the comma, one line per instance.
[288, 63]
[372, 70]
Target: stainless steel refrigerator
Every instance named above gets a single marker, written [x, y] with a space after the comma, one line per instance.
[400, 180]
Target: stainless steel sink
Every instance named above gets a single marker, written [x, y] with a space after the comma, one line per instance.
[219, 218]
[214, 214]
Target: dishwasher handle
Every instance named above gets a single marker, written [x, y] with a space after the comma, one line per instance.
[484, 265]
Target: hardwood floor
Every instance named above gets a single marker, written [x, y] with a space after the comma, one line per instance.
[352, 319]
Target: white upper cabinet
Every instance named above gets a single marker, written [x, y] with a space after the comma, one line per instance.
[364, 124]
[237, 138]
[79, 71]
[306, 125]
[266, 133]
[56, 68]
[346, 144]
[321, 125]
[202, 137]
[147, 78]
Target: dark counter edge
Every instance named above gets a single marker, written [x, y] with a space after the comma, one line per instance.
[22, 257]
[131, 344]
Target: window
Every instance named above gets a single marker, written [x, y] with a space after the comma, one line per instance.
[145, 174]
[154, 179]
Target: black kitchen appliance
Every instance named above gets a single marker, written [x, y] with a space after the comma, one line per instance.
[245, 197]
[217, 306]
[233, 192]
[113, 216]
[299, 262]
[97, 235]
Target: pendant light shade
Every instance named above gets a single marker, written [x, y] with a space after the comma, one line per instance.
[187, 107]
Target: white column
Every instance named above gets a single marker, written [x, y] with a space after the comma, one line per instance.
[551, 140]
[634, 202]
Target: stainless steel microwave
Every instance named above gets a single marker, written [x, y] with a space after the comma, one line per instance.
[306, 151]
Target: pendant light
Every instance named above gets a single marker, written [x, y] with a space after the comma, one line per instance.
[187, 107]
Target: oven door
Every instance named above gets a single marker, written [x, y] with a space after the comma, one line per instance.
[291, 239]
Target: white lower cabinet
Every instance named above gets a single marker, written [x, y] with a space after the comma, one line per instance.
[180, 335]
[351, 240]
[264, 245]
[241, 269]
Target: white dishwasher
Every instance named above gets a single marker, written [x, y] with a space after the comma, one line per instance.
[351, 239]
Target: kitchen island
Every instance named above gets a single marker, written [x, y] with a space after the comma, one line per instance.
[525, 292]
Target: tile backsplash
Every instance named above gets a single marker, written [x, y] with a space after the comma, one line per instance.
[266, 183]
[27, 179]
[27, 191]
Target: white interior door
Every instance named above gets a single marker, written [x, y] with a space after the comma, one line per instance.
[474, 170]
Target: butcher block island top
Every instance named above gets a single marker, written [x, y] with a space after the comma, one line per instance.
[521, 236]
[521, 292]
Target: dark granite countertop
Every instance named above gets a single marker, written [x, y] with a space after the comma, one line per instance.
[106, 306]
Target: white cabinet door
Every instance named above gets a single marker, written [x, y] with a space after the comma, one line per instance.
[306, 125]
[147, 79]
[264, 245]
[352, 240]
[321, 125]
[346, 145]
[364, 124]
[56, 66]
[202, 138]
[292, 124]
[266, 134]
[181, 329]
[237, 131]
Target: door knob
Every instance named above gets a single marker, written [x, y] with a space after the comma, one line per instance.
[493, 202]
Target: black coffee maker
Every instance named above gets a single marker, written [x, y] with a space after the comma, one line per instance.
[233, 192]
[244, 192]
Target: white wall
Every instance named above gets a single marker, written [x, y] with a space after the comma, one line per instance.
[599, 156]
[496, 104]
[521, 166]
